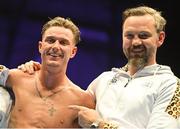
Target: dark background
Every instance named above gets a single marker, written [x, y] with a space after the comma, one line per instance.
[100, 24]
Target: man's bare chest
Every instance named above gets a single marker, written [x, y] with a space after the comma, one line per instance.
[45, 115]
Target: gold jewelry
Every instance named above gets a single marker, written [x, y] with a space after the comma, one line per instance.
[107, 125]
[1, 67]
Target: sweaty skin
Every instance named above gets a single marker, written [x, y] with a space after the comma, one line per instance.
[36, 107]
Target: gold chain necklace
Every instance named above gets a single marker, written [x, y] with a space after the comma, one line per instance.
[51, 109]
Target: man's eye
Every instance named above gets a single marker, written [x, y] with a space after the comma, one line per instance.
[50, 40]
[63, 42]
[144, 35]
[129, 36]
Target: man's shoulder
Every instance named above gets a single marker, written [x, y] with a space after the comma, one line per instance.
[18, 73]
[75, 88]
[86, 99]
[17, 76]
[78, 91]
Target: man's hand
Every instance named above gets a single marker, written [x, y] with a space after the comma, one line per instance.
[30, 67]
[86, 116]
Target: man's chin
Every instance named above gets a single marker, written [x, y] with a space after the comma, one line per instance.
[137, 62]
[53, 64]
[137, 55]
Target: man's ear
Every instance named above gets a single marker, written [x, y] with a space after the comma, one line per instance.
[161, 38]
[74, 51]
[40, 46]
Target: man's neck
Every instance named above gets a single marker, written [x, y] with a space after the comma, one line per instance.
[132, 69]
[52, 80]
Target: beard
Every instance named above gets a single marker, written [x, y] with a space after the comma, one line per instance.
[139, 63]
[137, 59]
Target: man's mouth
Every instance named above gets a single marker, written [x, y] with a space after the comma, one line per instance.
[54, 55]
[137, 50]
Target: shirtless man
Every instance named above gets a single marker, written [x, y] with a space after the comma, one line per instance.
[42, 98]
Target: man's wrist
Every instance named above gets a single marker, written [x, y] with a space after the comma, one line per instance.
[107, 125]
[100, 123]
[96, 123]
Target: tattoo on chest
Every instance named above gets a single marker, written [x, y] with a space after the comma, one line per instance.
[51, 111]
[51, 108]
[47, 100]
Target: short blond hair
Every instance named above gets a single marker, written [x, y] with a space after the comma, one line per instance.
[160, 21]
[62, 22]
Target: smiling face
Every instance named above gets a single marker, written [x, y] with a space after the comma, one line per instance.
[141, 40]
[57, 47]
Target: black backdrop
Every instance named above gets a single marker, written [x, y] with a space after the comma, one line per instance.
[100, 25]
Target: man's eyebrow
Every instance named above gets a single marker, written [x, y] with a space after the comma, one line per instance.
[50, 37]
[57, 38]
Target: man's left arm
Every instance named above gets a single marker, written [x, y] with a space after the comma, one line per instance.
[89, 118]
[166, 109]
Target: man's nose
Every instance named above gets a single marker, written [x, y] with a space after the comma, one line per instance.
[56, 45]
[136, 41]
